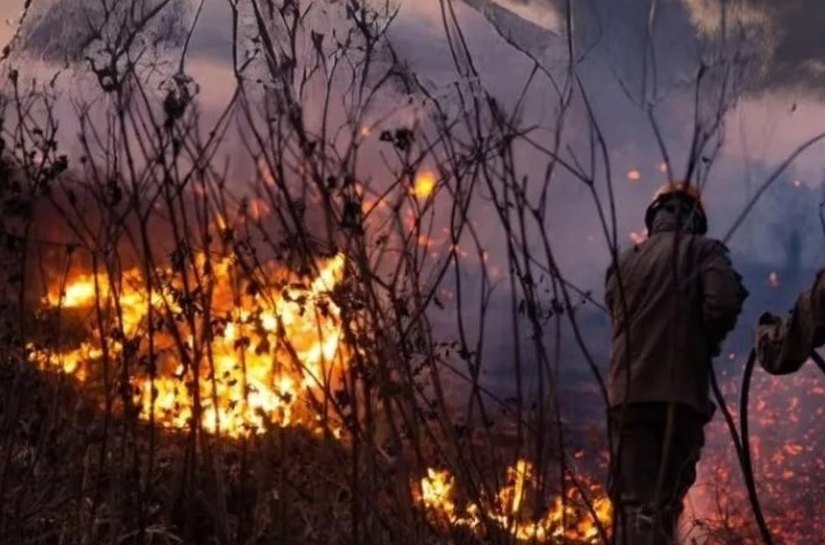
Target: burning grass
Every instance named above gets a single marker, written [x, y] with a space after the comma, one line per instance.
[256, 353]
[570, 518]
[252, 358]
[253, 355]
[150, 358]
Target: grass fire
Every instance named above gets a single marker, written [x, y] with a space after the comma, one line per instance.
[402, 272]
[252, 364]
[568, 519]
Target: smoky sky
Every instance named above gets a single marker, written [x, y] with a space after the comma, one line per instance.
[792, 42]
[613, 41]
[782, 238]
[784, 39]
[623, 45]
[612, 44]
[67, 30]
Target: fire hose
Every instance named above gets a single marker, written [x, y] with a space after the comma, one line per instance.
[741, 441]
[741, 437]
[817, 359]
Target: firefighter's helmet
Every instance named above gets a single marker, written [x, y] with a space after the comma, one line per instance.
[687, 193]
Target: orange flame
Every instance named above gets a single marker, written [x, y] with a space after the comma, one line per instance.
[424, 185]
[568, 519]
[277, 346]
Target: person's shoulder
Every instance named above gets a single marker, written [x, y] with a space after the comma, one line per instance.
[623, 257]
[709, 246]
[630, 252]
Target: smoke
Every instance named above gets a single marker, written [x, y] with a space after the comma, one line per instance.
[786, 34]
[782, 41]
[67, 30]
[531, 26]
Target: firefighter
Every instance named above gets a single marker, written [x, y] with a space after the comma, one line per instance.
[783, 346]
[673, 299]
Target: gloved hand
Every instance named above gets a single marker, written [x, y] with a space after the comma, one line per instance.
[768, 338]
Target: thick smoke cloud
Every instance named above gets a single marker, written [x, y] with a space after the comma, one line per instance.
[534, 27]
[783, 41]
[66, 30]
[789, 34]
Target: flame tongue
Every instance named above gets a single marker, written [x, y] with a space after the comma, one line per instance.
[568, 519]
[255, 366]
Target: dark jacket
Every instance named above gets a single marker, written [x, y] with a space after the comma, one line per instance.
[673, 299]
[782, 347]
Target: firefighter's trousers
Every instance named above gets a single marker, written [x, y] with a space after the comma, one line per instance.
[655, 450]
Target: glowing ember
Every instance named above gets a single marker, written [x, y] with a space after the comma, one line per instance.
[572, 519]
[258, 209]
[255, 362]
[424, 185]
[773, 280]
[634, 175]
[637, 237]
[786, 442]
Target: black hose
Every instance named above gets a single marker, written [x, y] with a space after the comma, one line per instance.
[746, 462]
[818, 361]
[741, 439]
[741, 443]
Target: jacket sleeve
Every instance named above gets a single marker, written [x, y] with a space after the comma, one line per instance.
[782, 347]
[722, 295]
